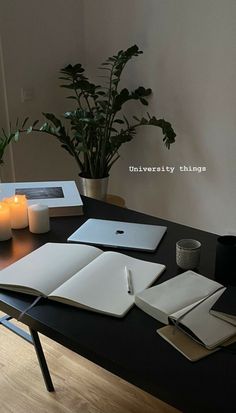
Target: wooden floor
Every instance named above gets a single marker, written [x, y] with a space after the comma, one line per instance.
[81, 386]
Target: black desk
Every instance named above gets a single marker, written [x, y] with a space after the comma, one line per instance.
[129, 347]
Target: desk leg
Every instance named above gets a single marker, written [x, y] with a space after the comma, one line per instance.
[5, 321]
[41, 360]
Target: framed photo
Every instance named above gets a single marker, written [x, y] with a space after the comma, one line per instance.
[62, 197]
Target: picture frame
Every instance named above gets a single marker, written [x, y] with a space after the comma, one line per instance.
[62, 197]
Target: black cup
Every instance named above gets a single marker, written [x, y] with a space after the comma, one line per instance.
[225, 268]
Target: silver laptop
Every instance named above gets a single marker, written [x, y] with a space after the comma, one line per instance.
[119, 234]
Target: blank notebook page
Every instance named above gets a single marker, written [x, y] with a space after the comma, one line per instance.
[102, 284]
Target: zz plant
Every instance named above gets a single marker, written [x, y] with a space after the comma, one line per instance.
[97, 125]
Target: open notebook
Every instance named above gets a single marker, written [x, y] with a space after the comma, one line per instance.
[80, 275]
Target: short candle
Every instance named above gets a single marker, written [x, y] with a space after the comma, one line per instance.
[38, 218]
[5, 222]
[18, 211]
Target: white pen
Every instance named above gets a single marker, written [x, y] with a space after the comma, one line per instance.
[128, 275]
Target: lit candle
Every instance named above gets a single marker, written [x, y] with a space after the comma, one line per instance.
[18, 211]
[5, 222]
[38, 218]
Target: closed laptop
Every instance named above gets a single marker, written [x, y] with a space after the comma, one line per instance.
[119, 234]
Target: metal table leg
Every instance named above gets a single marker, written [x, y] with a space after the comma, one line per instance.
[32, 338]
[41, 360]
[15, 329]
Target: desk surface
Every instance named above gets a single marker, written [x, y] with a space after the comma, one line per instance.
[129, 347]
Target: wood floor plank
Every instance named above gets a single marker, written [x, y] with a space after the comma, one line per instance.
[81, 386]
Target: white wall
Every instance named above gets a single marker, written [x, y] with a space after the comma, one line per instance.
[38, 39]
[6, 171]
[189, 62]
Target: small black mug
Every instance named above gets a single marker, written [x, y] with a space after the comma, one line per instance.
[225, 267]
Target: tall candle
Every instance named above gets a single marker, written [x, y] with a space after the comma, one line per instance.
[18, 211]
[5, 222]
[38, 218]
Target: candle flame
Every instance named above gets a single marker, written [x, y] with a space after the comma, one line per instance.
[15, 199]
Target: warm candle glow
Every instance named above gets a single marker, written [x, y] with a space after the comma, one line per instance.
[17, 199]
[18, 211]
[5, 222]
[4, 206]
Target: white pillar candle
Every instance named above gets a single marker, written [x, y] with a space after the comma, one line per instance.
[18, 211]
[5, 222]
[38, 218]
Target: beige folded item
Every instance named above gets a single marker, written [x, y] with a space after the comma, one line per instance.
[187, 346]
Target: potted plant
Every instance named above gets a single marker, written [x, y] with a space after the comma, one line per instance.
[98, 127]
[5, 140]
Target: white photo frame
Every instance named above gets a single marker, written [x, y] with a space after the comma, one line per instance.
[62, 197]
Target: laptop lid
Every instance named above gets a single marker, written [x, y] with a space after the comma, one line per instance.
[119, 234]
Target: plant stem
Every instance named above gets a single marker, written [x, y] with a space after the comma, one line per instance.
[107, 123]
[77, 95]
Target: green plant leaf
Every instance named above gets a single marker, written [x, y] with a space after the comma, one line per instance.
[44, 127]
[35, 123]
[71, 86]
[23, 124]
[144, 101]
[51, 117]
[63, 78]
[16, 136]
[119, 121]
[29, 130]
